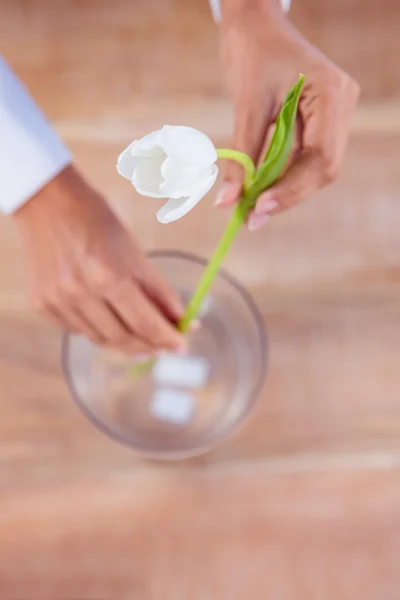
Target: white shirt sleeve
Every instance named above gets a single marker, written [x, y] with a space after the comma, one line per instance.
[31, 154]
[217, 10]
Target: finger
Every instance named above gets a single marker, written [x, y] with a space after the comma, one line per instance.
[136, 348]
[252, 120]
[142, 317]
[325, 129]
[161, 292]
[57, 320]
[53, 306]
[303, 179]
[113, 331]
[71, 320]
[108, 330]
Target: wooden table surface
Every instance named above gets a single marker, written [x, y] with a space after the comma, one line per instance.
[303, 502]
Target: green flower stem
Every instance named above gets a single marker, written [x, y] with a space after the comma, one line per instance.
[243, 159]
[238, 218]
[255, 182]
[236, 221]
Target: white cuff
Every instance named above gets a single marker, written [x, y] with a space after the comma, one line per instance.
[217, 10]
[31, 154]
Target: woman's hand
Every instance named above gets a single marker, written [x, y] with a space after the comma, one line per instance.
[262, 57]
[88, 275]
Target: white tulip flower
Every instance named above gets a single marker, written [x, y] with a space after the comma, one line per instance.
[174, 162]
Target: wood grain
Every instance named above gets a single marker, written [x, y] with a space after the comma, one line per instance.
[197, 535]
[331, 391]
[302, 503]
[98, 57]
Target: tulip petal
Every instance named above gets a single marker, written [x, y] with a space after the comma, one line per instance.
[147, 177]
[181, 179]
[148, 146]
[188, 145]
[174, 170]
[176, 208]
[126, 163]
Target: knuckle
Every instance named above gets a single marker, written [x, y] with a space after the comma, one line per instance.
[51, 298]
[332, 80]
[101, 275]
[328, 165]
[339, 85]
[331, 172]
[70, 289]
[353, 89]
[37, 303]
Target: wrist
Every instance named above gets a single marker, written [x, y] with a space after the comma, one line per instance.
[60, 192]
[239, 10]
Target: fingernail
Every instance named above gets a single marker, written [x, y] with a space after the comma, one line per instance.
[257, 221]
[265, 206]
[221, 194]
[228, 193]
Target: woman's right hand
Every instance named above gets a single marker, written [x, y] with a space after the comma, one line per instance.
[88, 275]
[263, 55]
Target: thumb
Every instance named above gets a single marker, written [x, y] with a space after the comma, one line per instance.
[252, 121]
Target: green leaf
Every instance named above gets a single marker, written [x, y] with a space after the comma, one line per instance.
[279, 149]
